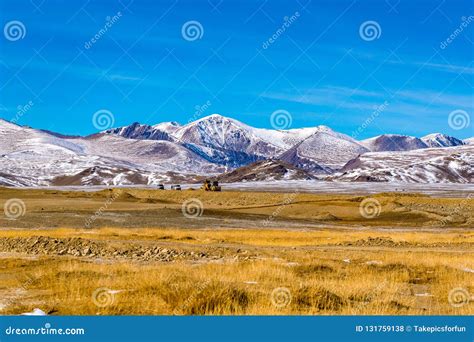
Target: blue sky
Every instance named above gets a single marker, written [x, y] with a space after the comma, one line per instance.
[319, 69]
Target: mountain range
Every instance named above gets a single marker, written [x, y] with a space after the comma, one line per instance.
[214, 145]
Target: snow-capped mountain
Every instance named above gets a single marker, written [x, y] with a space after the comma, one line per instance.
[219, 139]
[138, 131]
[168, 127]
[213, 130]
[469, 141]
[323, 150]
[433, 165]
[224, 141]
[393, 142]
[441, 140]
[33, 157]
[231, 143]
[169, 152]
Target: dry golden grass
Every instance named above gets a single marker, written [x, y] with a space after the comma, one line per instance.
[318, 255]
[253, 237]
[320, 279]
[129, 208]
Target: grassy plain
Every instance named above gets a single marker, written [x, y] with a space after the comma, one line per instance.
[132, 251]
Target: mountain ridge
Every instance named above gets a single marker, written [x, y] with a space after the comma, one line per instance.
[150, 154]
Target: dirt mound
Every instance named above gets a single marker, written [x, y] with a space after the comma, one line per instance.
[265, 170]
[312, 270]
[376, 242]
[79, 247]
[327, 217]
[122, 195]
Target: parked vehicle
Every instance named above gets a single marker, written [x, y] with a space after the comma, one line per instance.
[208, 186]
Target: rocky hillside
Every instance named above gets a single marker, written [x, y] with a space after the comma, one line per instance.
[434, 165]
[266, 170]
[170, 152]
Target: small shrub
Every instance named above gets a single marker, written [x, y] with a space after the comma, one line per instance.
[319, 298]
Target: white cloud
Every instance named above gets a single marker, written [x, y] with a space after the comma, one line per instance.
[408, 102]
[119, 77]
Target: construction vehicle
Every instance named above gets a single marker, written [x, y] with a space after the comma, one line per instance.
[176, 187]
[208, 186]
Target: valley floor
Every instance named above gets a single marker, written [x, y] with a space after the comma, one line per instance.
[138, 251]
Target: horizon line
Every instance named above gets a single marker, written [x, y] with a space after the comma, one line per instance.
[101, 131]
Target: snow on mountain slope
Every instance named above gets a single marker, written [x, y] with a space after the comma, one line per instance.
[441, 140]
[219, 139]
[31, 157]
[143, 154]
[225, 141]
[168, 127]
[469, 141]
[218, 131]
[231, 143]
[152, 155]
[433, 165]
[282, 139]
[34, 157]
[393, 142]
[14, 138]
[139, 131]
[325, 148]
